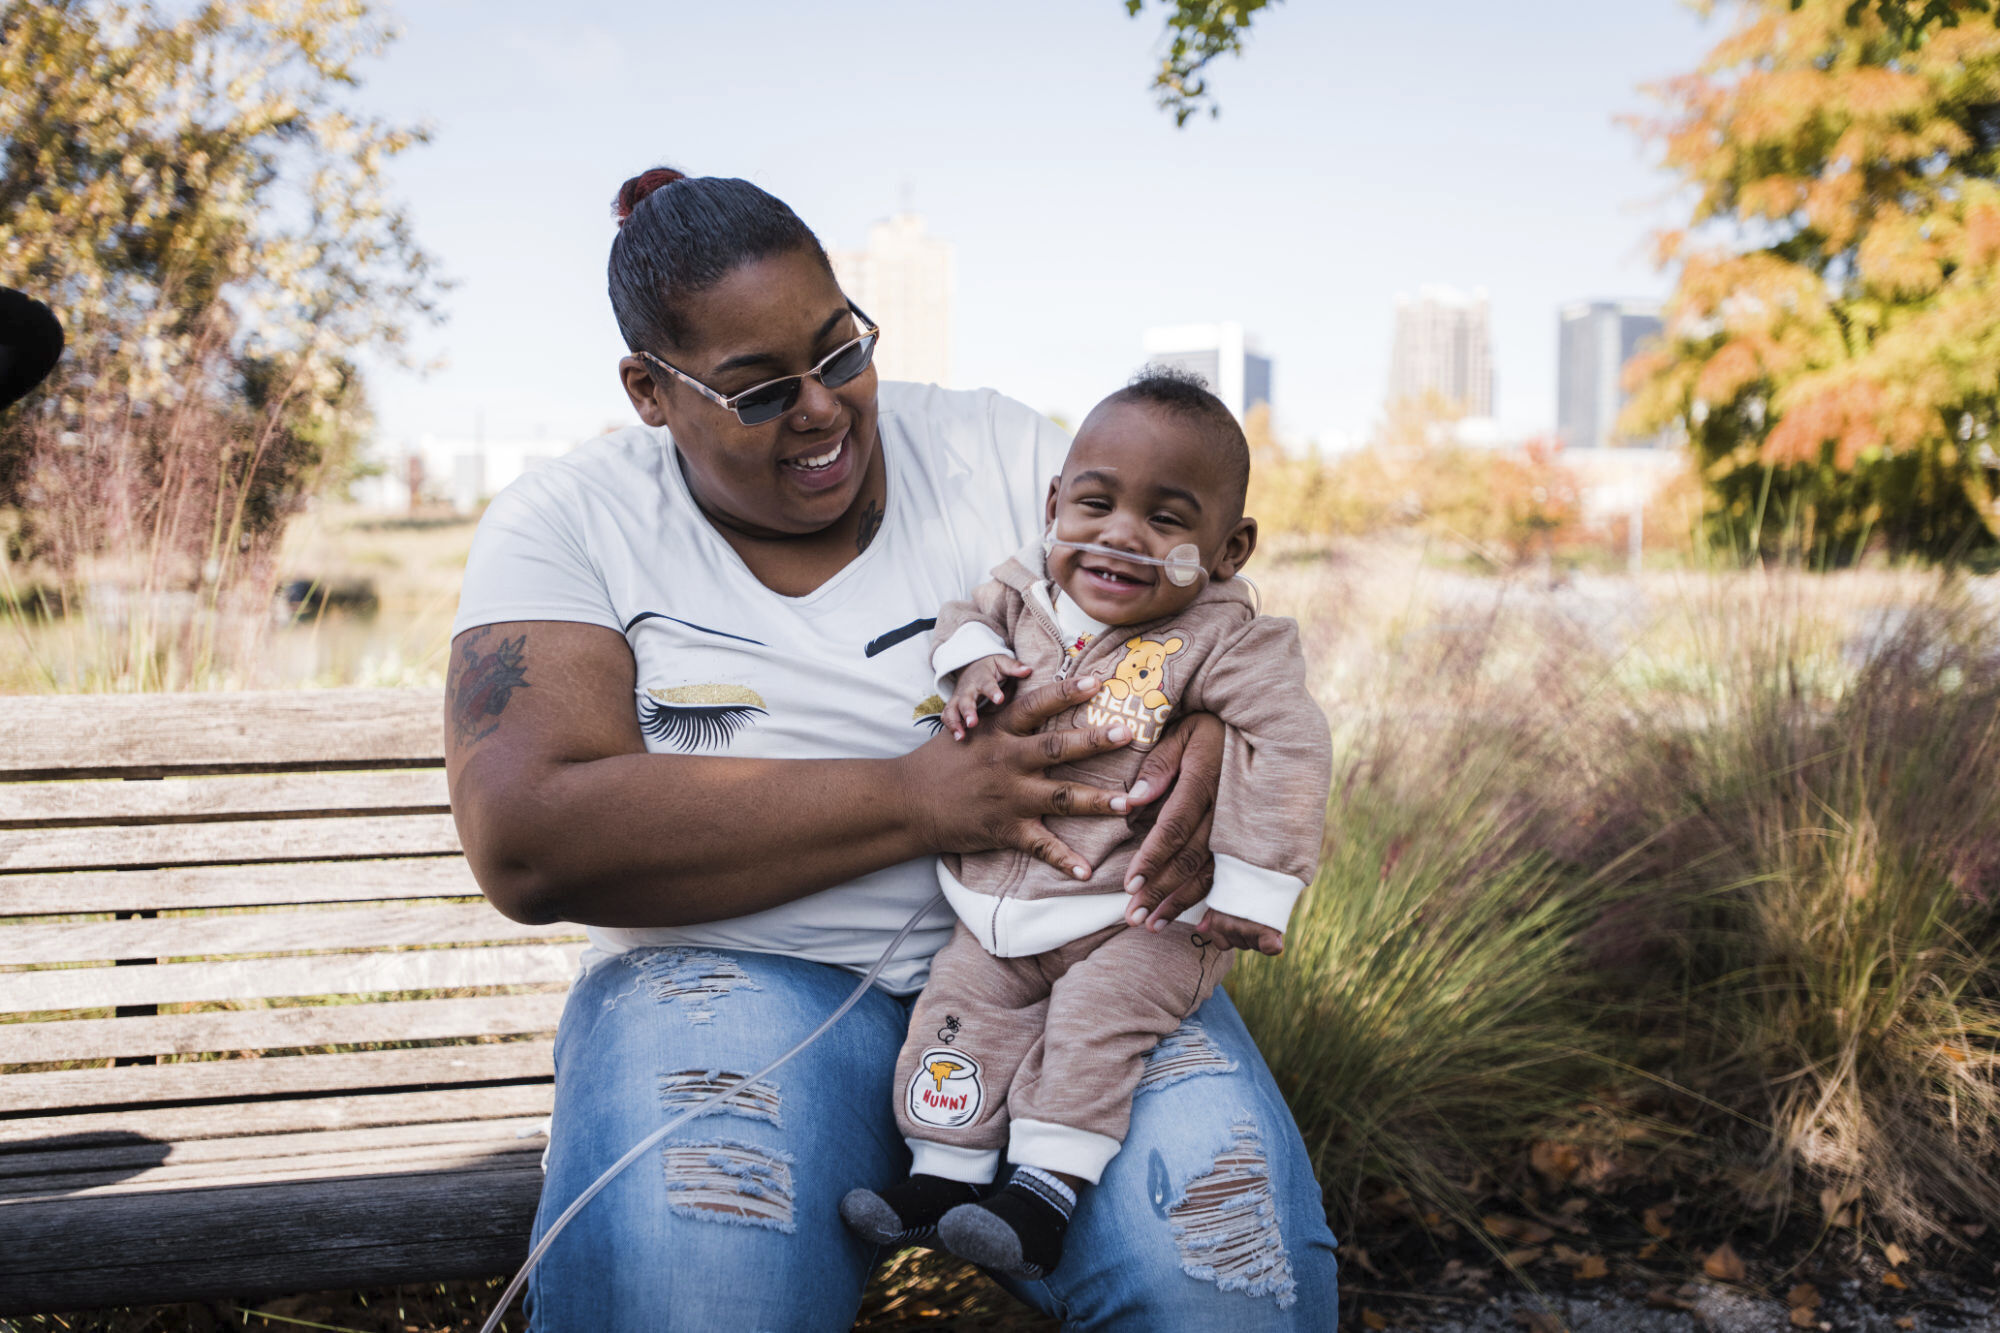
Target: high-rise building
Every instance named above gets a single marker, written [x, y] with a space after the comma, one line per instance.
[1597, 338]
[1444, 347]
[904, 280]
[1226, 358]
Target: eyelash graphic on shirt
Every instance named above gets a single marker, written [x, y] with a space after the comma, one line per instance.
[929, 713]
[699, 717]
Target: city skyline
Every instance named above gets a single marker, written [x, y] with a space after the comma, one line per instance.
[1595, 340]
[1443, 350]
[904, 279]
[1079, 215]
[1229, 361]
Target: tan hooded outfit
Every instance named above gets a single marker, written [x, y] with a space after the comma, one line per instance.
[1040, 1010]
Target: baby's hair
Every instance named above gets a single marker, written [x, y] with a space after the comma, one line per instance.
[1184, 394]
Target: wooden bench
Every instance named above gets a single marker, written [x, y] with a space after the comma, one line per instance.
[258, 1032]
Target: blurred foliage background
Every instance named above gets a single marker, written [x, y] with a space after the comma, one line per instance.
[1654, 880]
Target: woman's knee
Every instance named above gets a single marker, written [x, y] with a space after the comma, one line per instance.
[1211, 1205]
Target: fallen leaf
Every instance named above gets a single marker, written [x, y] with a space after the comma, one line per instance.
[1723, 1264]
[1354, 1254]
[1895, 1254]
[1433, 1219]
[1649, 1249]
[1895, 1280]
[1564, 1254]
[1804, 1316]
[1832, 1200]
[1973, 1230]
[1803, 1296]
[1555, 1162]
[1592, 1268]
[1573, 1206]
[1370, 1319]
[1907, 1321]
[1522, 1257]
[1516, 1228]
[1663, 1298]
[1654, 1219]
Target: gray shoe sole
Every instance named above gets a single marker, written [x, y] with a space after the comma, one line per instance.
[868, 1216]
[978, 1237]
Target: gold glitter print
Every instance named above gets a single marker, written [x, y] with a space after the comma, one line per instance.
[714, 694]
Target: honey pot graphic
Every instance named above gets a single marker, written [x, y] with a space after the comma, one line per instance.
[945, 1090]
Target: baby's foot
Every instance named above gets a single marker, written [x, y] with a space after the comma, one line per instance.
[905, 1213]
[1018, 1232]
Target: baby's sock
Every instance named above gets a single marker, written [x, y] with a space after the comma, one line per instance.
[905, 1213]
[1019, 1231]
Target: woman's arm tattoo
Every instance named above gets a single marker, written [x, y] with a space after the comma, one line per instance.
[482, 681]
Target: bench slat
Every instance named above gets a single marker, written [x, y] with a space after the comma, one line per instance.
[249, 1171]
[278, 1029]
[283, 1116]
[104, 847]
[184, 799]
[267, 932]
[132, 1153]
[267, 1239]
[44, 736]
[269, 978]
[132, 1085]
[235, 886]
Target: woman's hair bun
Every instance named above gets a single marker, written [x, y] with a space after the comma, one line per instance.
[641, 185]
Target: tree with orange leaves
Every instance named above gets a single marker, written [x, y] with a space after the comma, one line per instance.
[1833, 344]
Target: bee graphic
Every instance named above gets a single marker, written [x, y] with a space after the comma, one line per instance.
[949, 1032]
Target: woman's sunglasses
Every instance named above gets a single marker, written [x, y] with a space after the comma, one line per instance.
[766, 402]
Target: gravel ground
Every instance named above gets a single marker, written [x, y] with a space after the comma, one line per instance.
[1715, 1310]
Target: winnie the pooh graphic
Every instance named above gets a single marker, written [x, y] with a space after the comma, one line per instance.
[1143, 670]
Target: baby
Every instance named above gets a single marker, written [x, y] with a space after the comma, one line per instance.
[1040, 1011]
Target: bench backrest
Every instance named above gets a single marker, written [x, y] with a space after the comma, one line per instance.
[236, 926]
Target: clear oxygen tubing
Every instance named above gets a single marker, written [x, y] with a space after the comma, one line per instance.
[640, 1148]
[1183, 563]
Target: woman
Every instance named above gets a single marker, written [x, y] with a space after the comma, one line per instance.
[690, 707]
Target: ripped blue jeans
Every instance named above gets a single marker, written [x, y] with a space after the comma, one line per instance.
[1208, 1218]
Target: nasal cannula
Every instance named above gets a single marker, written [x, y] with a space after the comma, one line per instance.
[639, 1149]
[1183, 563]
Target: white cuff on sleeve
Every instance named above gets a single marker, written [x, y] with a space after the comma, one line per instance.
[1254, 893]
[1053, 1147]
[971, 642]
[974, 1166]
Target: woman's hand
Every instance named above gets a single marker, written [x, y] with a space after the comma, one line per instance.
[1173, 870]
[991, 790]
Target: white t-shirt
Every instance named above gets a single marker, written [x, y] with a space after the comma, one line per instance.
[608, 535]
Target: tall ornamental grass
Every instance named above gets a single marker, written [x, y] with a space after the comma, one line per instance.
[1829, 849]
[1727, 848]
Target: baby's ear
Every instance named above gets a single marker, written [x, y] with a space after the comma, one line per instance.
[1049, 509]
[1236, 549]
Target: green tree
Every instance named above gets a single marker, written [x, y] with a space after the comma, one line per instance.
[1198, 32]
[186, 187]
[1833, 344]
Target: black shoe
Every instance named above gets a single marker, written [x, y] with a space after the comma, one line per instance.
[905, 1213]
[1018, 1232]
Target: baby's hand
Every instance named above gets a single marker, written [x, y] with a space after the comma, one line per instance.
[979, 683]
[1239, 933]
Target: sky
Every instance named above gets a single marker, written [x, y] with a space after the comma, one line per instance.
[1363, 150]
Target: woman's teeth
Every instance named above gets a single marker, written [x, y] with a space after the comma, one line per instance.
[819, 461]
